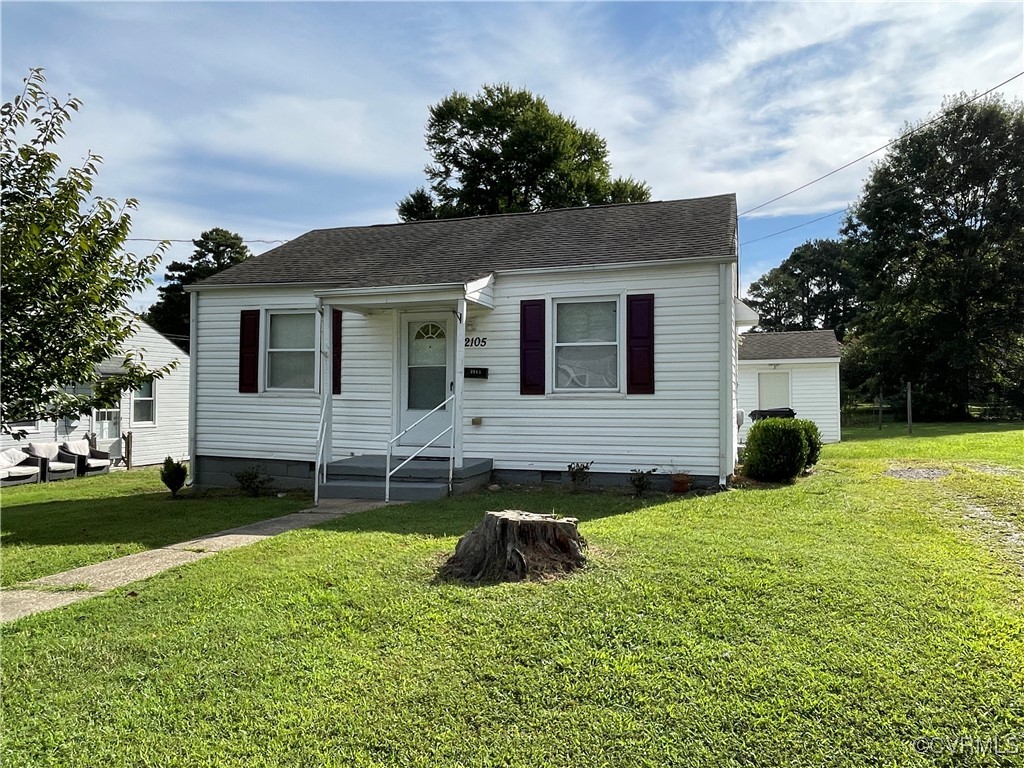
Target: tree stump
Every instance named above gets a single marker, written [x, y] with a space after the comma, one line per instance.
[514, 545]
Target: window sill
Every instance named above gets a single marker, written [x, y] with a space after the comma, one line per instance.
[586, 395]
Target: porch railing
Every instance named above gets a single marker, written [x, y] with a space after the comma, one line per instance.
[321, 440]
[451, 450]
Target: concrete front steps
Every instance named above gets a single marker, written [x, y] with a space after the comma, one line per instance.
[362, 477]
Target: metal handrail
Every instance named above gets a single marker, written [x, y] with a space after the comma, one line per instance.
[391, 443]
[415, 424]
[321, 439]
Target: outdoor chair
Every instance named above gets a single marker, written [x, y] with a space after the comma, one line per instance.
[57, 464]
[17, 467]
[91, 461]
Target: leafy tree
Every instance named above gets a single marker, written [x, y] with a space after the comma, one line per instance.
[815, 287]
[937, 238]
[66, 278]
[215, 250]
[505, 151]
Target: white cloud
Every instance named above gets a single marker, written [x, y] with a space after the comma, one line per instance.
[272, 119]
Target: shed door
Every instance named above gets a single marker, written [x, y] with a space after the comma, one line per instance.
[773, 390]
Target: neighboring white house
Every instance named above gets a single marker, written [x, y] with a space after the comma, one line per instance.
[604, 334]
[156, 415]
[795, 369]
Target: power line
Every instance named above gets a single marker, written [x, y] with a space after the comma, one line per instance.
[173, 240]
[885, 196]
[911, 132]
[798, 226]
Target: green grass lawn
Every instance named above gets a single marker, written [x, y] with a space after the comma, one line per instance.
[978, 442]
[834, 622]
[52, 527]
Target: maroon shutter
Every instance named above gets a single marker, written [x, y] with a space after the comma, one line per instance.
[249, 351]
[640, 344]
[336, 351]
[531, 347]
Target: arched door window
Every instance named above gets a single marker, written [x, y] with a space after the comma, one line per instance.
[428, 369]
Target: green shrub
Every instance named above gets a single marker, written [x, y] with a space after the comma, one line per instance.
[254, 480]
[579, 474]
[173, 475]
[641, 480]
[813, 436]
[776, 450]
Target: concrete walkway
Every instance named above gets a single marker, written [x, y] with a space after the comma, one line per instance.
[78, 584]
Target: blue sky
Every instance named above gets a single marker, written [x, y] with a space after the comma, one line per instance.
[271, 119]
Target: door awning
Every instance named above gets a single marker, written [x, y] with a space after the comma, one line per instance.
[366, 300]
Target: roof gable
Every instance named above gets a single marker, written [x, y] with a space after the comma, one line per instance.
[789, 345]
[461, 250]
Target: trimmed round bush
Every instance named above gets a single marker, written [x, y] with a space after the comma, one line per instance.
[813, 436]
[776, 450]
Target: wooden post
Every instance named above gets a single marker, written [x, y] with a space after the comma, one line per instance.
[910, 413]
[126, 438]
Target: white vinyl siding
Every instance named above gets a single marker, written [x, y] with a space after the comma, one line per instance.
[676, 426]
[814, 389]
[275, 424]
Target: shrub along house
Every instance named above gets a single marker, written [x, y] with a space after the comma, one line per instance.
[793, 369]
[518, 343]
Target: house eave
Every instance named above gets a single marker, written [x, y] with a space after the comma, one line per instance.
[790, 361]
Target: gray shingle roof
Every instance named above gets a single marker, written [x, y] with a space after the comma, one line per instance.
[790, 345]
[460, 250]
[111, 366]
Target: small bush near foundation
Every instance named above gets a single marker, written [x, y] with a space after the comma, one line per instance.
[641, 480]
[253, 481]
[173, 475]
[813, 436]
[579, 474]
[776, 450]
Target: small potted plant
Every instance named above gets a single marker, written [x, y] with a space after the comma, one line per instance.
[681, 481]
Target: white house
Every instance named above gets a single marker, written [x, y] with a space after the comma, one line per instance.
[156, 415]
[518, 343]
[796, 369]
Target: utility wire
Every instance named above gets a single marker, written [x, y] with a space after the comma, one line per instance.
[797, 226]
[885, 196]
[911, 132]
[172, 240]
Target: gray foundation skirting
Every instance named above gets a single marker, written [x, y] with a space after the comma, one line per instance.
[659, 481]
[218, 472]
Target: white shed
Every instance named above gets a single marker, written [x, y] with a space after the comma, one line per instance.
[795, 369]
[156, 415]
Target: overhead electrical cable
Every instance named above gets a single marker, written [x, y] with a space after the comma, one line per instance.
[911, 132]
[885, 196]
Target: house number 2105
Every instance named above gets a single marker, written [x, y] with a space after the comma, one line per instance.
[476, 341]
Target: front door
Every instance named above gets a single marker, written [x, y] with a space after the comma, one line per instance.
[107, 426]
[427, 364]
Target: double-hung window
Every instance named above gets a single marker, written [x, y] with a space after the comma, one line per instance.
[291, 350]
[144, 404]
[586, 344]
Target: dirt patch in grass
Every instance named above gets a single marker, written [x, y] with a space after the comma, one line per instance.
[999, 533]
[916, 473]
